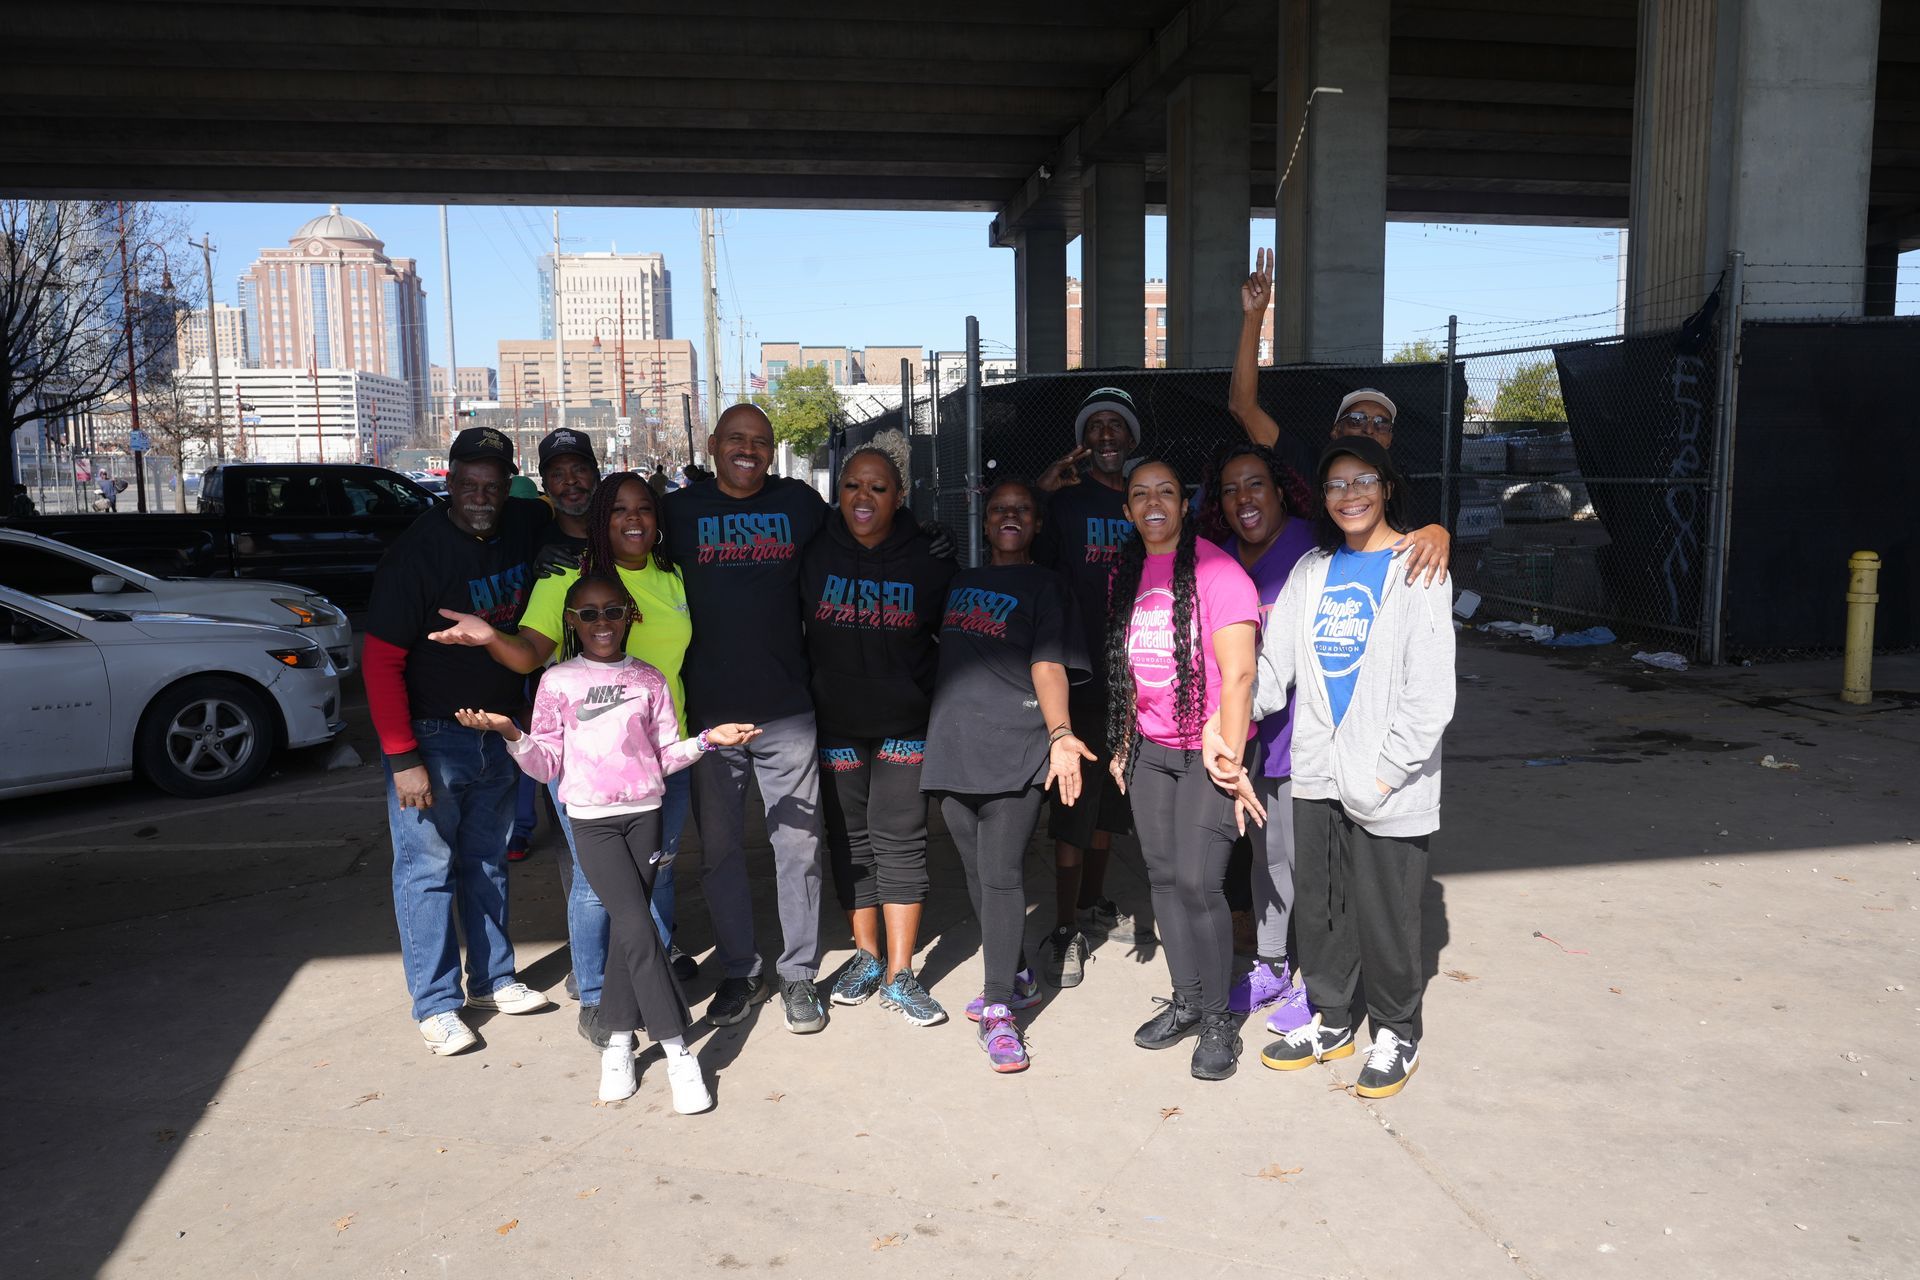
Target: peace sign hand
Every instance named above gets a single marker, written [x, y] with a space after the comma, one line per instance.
[1257, 292]
[1064, 471]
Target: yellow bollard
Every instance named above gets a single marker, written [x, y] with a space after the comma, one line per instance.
[1863, 593]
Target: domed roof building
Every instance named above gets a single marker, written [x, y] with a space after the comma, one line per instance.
[333, 299]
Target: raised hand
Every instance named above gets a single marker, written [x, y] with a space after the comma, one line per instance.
[732, 735]
[485, 720]
[467, 629]
[1063, 471]
[1063, 767]
[1257, 293]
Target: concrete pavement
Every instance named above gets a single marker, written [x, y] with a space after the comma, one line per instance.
[1703, 1068]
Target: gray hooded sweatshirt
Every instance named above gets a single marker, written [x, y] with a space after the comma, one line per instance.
[1401, 703]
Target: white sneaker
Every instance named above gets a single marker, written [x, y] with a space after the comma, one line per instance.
[446, 1034]
[515, 997]
[690, 1096]
[616, 1073]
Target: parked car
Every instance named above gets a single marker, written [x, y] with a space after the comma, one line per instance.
[195, 704]
[323, 526]
[82, 580]
[433, 484]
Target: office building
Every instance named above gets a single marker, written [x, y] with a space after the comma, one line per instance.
[474, 382]
[1153, 323]
[598, 291]
[230, 327]
[333, 299]
[306, 415]
[657, 373]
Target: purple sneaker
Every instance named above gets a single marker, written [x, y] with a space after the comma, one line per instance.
[1293, 1011]
[1000, 1037]
[1026, 994]
[1257, 988]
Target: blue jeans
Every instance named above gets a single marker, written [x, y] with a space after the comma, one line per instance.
[587, 924]
[524, 797]
[452, 859]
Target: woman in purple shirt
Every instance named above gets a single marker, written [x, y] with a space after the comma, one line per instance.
[1248, 500]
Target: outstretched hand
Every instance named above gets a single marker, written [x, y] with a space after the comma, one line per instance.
[732, 734]
[467, 629]
[484, 720]
[1063, 767]
[1257, 293]
[1063, 471]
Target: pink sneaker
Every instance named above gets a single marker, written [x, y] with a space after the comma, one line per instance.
[1000, 1037]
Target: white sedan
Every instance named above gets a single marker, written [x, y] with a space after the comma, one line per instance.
[82, 580]
[196, 704]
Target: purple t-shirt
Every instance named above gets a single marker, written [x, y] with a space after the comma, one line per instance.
[1269, 574]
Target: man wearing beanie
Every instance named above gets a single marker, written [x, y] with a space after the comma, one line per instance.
[1085, 526]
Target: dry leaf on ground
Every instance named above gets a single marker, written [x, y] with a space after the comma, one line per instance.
[1274, 1173]
[1168, 1113]
[588, 1194]
[362, 1101]
[506, 1226]
[887, 1241]
[1461, 975]
[341, 1224]
[1615, 990]
[775, 1096]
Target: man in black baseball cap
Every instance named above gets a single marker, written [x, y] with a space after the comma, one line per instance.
[477, 444]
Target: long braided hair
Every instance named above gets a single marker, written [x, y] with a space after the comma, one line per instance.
[1296, 495]
[1190, 672]
[599, 518]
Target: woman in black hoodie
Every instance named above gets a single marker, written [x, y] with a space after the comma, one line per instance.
[873, 592]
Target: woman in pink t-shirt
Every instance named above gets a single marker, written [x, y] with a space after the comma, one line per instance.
[1181, 638]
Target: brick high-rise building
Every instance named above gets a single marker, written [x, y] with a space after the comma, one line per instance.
[333, 298]
[657, 373]
[474, 382]
[230, 326]
[598, 290]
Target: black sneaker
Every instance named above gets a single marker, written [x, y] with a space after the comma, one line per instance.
[1064, 957]
[1217, 1056]
[805, 1013]
[734, 998]
[685, 967]
[1175, 1022]
[1304, 1046]
[590, 1029]
[1390, 1064]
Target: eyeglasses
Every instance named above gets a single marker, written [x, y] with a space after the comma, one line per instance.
[612, 613]
[1361, 484]
[1372, 424]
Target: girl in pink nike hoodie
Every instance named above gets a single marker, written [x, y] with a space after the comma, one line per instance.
[604, 725]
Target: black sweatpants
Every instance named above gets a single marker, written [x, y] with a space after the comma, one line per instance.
[616, 855]
[876, 819]
[1356, 915]
[1186, 831]
[992, 833]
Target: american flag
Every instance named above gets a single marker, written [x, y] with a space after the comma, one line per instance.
[757, 382]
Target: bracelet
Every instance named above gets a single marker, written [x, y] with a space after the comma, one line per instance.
[1064, 731]
[706, 743]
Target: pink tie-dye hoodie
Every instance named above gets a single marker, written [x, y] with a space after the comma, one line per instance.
[608, 732]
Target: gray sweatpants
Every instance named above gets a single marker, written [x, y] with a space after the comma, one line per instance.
[784, 760]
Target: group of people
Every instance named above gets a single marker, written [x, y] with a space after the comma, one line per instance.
[1268, 658]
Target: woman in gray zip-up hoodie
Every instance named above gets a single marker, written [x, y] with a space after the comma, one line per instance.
[1371, 657]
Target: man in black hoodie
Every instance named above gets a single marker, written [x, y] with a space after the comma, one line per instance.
[736, 538]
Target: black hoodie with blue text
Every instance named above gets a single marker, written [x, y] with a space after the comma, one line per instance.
[872, 617]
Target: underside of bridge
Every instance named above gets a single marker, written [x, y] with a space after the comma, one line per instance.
[1063, 119]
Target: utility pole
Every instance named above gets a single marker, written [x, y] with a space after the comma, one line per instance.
[133, 377]
[710, 295]
[559, 349]
[213, 352]
[453, 359]
[626, 409]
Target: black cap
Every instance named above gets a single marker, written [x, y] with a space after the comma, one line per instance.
[564, 440]
[477, 444]
[1365, 448]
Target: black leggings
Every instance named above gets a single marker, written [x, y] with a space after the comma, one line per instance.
[1185, 825]
[616, 855]
[876, 819]
[992, 833]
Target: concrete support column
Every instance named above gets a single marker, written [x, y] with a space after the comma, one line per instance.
[1330, 228]
[1113, 265]
[1208, 169]
[1040, 300]
[1753, 130]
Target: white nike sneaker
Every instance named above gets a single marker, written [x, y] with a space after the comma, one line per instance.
[515, 997]
[616, 1073]
[690, 1096]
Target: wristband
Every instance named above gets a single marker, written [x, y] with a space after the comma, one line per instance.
[706, 743]
[1064, 731]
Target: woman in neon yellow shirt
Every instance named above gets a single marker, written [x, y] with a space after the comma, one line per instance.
[623, 534]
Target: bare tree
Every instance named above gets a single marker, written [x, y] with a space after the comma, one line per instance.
[78, 279]
[173, 413]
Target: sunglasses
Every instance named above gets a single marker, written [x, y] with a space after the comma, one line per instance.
[1369, 423]
[612, 613]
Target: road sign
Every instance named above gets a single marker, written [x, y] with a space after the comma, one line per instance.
[138, 442]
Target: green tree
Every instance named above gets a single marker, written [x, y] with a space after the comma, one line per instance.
[803, 407]
[1419, 351]
[1530, 392]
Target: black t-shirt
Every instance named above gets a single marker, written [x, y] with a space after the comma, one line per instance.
[434, 566]
[741, 561]
[1086, 526]
[987, 736]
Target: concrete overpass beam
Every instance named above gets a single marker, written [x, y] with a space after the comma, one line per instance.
[1113, 264]
[1330, 231]
[1040, 299]
[1753, 130]
[1209, 152]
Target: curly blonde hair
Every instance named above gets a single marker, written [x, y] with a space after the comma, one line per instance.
[892, 446]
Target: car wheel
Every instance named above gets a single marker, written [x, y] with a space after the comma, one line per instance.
[206, 737]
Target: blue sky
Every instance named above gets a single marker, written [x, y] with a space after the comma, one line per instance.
[860, 278]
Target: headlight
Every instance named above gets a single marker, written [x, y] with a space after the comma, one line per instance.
[302, 658]
[300, 609]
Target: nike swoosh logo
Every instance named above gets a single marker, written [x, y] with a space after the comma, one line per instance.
[591, 712]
